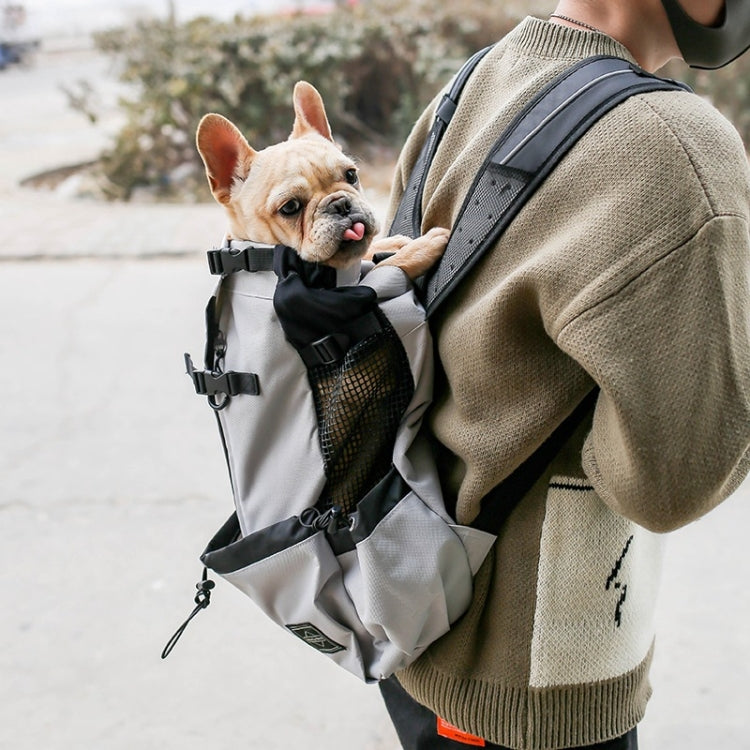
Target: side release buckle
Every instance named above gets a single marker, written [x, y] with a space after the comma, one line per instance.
[227, 384]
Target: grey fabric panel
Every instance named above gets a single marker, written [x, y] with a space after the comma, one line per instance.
[271, 439]
[372, 610]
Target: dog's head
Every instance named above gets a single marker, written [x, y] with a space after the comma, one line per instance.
[303, 192]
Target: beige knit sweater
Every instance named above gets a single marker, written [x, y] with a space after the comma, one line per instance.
[629, 269]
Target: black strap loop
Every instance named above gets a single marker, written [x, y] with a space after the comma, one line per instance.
[446, 109]
[333, 348]
[325, 351]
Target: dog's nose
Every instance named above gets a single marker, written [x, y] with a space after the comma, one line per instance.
[341, 206]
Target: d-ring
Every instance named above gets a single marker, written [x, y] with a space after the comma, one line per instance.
[218, 405]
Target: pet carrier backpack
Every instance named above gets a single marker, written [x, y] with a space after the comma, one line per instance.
[319, 384]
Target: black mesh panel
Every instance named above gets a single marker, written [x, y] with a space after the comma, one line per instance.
[497, 188]
[360, 402]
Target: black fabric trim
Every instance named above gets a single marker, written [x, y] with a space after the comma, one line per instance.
[311, 308]
[227, 553]
[212, 332]
[378, 503]
[286, 261]
[225, 449]
[341, 541]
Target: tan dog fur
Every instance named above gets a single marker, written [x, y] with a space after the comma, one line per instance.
[303, 192]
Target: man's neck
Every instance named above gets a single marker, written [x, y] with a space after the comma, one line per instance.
[639, 25]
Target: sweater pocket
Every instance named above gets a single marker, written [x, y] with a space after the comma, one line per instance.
[597, 583]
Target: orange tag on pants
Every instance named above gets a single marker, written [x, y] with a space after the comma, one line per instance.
[444, 729]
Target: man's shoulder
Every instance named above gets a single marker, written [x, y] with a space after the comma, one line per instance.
[690, 117]
[692, 122]
[683, 133]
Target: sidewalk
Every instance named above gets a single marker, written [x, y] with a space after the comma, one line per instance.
[113, 481]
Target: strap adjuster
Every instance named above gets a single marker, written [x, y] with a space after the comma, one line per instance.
[446, 109]
[326, 351]
[224, 383]
[251, 257]
[333, 348]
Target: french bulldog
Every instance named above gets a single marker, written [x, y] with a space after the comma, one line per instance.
[304, 193]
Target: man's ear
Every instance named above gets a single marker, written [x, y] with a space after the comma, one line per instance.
[309, 112]
[225, 153]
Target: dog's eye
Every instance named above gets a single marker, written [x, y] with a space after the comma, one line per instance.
[291, 207]
[351, 176]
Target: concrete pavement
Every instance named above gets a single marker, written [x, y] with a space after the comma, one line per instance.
[113, 480]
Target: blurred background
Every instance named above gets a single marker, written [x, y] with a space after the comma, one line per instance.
[113, 478]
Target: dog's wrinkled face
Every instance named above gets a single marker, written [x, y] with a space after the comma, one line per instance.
[303, 192]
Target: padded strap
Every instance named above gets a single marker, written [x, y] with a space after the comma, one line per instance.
[527, 152]
[523, 156]
[408, 219]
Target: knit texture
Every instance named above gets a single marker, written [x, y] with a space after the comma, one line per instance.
[628, 269]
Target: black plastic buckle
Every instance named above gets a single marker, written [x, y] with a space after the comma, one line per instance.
[225, 260]
[225, 383]
[446, 109]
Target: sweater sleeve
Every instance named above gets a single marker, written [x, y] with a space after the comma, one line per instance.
[670, 352]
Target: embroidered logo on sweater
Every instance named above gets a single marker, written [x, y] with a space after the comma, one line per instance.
[598, 577]
[616, 585]
[444, 729]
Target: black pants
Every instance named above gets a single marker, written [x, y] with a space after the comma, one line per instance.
[416, 725]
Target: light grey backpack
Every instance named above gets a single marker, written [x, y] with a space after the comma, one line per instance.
[319, 383]
[340, 533]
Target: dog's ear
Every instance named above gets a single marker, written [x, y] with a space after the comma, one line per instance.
[309, 112]
[225, 152]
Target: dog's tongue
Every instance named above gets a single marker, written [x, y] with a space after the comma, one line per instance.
[356, 232]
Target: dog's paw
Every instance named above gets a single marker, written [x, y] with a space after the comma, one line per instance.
[387, 245]
[416, 257]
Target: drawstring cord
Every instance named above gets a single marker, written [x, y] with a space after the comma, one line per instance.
[202, 600]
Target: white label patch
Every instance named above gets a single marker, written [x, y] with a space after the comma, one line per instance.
[598, 580]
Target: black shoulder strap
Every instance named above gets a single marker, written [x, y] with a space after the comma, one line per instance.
[408, 218]
[527, 152]
[521, 158]
[497, 505]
